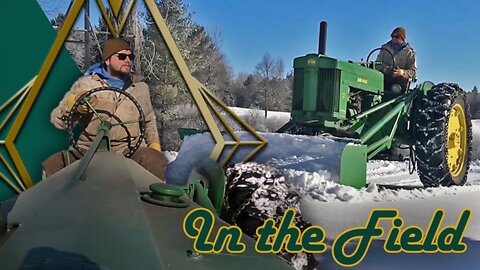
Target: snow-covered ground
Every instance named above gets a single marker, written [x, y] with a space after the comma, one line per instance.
[285, 116]
[391, 186]
[337, 208]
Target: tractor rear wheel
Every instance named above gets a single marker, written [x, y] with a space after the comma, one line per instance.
[443, 136]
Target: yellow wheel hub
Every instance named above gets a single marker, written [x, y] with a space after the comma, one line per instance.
[457, 140]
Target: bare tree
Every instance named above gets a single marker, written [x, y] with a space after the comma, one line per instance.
[270, 71]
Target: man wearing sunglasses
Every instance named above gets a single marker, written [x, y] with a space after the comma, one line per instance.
[398, 76]
[114, 71]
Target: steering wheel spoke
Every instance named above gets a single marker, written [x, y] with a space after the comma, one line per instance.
[86, 101]
[126, 123]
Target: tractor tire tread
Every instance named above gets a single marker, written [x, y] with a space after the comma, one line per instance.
[431, 135]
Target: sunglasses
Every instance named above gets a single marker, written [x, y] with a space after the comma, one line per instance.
[123, 56]
[395, 36]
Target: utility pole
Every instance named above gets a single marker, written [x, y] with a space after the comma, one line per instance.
[87, 34]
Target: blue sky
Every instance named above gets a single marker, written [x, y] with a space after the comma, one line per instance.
[445, 34]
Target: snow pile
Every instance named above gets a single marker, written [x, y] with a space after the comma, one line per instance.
[283, 151]
[170, 156]
[318, 187]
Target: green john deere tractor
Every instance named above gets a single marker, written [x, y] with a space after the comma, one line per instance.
[428, 124]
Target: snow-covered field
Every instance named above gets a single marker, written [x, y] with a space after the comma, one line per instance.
[390, 185]
[404, 192]
[337, 208]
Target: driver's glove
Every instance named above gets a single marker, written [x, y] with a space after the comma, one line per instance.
[82, 108]
[398, 72]
[155, 146]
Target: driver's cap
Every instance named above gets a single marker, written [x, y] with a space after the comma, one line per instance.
[400, 31]
[114, 45]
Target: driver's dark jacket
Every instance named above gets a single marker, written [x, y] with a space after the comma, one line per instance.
[110, 104]
[404, 59]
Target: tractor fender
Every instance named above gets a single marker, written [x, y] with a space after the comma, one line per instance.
[425, 86]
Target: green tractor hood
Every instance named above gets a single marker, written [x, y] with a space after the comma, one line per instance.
[101, 222]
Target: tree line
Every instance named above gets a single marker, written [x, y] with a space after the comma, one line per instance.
[473, 99]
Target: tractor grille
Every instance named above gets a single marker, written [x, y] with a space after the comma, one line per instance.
[328, 91]
[297, 102]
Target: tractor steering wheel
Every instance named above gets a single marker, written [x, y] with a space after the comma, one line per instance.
[84, 99]
[382, 49]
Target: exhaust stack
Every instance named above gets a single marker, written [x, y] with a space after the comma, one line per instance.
[322, 39]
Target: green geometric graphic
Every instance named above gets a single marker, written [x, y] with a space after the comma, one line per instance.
[27, 37]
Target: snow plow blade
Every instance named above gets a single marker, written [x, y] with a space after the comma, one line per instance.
[353, 166]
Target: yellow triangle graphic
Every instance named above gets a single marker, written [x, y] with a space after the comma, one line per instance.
[116, 6]
[19, 97]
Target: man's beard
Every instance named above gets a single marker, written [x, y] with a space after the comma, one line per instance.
[119, 73]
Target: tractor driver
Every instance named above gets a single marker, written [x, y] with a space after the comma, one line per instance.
[398, 77]
[114, 71]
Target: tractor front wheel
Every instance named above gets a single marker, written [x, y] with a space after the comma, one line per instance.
[443, 137]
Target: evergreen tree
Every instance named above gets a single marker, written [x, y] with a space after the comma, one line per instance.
[170, 96]
[58, 20]
[473, 100]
